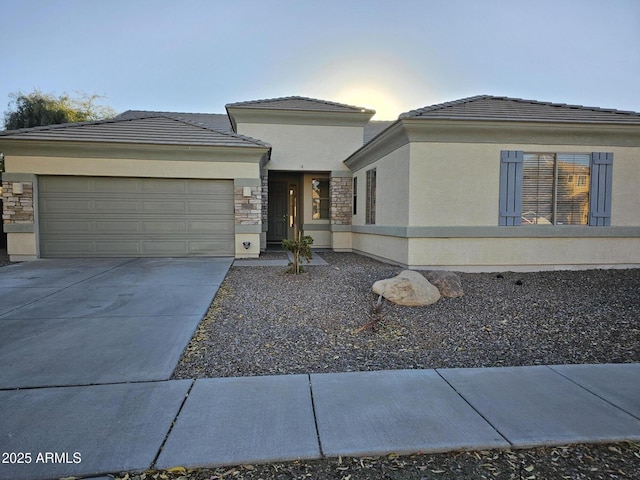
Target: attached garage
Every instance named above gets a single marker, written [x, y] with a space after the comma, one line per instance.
[140, 217]
[150, 186]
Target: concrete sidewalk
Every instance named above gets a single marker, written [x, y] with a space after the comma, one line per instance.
[103, 429]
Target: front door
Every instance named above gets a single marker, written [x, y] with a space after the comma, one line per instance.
[283, 207]
[278, 211]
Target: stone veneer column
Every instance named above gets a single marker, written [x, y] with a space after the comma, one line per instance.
[341, 193]
[248, 210]
[17, 207]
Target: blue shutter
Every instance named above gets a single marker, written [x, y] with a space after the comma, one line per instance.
[600, 195]
[511, 187]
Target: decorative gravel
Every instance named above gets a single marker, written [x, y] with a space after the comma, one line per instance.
[576, 462]
[264, 321]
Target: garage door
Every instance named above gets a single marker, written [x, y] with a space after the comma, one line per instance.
[146, 217]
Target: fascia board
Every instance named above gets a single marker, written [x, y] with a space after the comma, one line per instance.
[57, 148]
[297, 117]
[389, 140]
[512, 132]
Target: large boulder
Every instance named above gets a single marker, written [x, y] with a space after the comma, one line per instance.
[448, 283]
[408, 288]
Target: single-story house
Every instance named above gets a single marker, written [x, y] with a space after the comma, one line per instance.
[480, 184]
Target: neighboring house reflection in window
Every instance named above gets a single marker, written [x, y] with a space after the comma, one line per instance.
[320, 200]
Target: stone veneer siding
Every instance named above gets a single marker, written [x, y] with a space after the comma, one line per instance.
[18, 207]
[248, 210]
[341, 192]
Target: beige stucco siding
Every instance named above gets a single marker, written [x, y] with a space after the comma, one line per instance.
[522, 254]
[454, 184]
[306, 147]
[625, 192]
[392, 189]
[393, 249]
[457, 184]
[242, 165]
[127, 167]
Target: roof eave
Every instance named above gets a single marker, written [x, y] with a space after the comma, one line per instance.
[93, 149]
[297, 116]
[388, 140]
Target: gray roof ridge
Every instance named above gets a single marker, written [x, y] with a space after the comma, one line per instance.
[228, 134]
[148, 113]
[248, 103]
[442, 106]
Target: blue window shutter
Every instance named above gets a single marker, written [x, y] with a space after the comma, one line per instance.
[511, 187]
[600, 195]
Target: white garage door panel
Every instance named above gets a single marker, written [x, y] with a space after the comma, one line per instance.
[102, 216]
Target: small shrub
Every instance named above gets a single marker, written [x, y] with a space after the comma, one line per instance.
[300, 247]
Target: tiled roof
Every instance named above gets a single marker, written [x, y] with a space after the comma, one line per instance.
[487, 107]
[374, 127]
[161, 130]
[300, 103]
[216, 121]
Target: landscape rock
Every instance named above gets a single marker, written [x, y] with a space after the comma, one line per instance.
[408, 288]
[448, 283]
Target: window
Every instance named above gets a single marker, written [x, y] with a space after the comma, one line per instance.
[355, 196]
[371, 197]
[320, 198]
[555, 188]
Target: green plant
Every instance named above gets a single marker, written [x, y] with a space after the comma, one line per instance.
[300, 247]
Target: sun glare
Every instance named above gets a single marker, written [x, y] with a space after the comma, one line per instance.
[387, 107]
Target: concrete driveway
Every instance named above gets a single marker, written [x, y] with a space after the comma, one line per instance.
[96, 321]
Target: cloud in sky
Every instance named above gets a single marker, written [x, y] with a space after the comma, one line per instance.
[198, 55]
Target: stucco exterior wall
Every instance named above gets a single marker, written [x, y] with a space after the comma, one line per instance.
[306, 147]
[522, 254]
[449, 215]
[457, 184]
[131, 167]
[625, 195]
[392, 189]
[387, 248]
[243, 166]
[22, 246]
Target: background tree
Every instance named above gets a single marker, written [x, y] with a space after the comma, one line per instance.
[37, 109]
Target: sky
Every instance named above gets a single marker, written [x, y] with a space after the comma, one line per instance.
[389, 55]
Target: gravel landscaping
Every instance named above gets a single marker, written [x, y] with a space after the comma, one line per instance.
[264, 321]
[578, 462]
